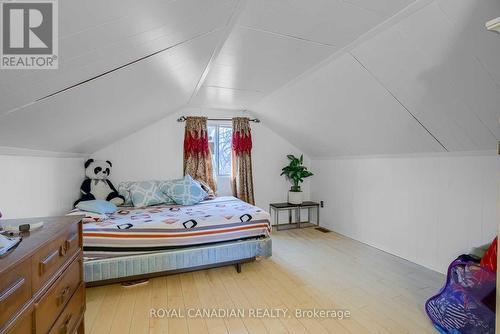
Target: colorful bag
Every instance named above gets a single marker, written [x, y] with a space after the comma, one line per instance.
[466, 304]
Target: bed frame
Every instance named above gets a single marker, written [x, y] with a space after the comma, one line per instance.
[169, 262]
[237, 265]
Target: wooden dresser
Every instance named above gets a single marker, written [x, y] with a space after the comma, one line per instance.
[41, 281]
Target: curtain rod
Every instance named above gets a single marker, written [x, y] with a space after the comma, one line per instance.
[183, 119]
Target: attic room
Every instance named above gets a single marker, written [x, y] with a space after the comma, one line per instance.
[249, 166]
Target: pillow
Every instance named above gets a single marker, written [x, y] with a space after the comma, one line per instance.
[165, 185]
[98, 206]
[186, 191]
[124, 190]
[146, 193]
[489, 260]
[208, 190]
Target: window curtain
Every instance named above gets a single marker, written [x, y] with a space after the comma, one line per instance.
[197, 156]
[241, 176]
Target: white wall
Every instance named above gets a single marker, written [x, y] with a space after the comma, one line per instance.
[155, 152]
[33, 186]
[425, 209]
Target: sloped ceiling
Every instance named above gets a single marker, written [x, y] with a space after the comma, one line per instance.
[100, 36]
[275, 41]
[429, 82]
[335, 77]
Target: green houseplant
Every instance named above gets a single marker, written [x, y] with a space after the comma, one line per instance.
[295, 172]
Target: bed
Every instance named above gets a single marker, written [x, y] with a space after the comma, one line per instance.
[135, 243]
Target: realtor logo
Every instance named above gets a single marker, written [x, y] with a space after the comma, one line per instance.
[29, 35]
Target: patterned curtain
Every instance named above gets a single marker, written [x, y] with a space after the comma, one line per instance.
[197, 156]
[241, 176]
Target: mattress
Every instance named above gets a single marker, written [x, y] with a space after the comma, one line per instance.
[138, 230]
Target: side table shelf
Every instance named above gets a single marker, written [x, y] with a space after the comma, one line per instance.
[275, 208]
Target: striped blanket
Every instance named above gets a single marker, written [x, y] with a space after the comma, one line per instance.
[154, 228]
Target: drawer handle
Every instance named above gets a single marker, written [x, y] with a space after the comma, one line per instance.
[68, 243]
[62, 250]
[65, 326]
[12, 289]
[63, 296]
[44, 264]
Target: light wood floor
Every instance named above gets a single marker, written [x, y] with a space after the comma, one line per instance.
[309, 269]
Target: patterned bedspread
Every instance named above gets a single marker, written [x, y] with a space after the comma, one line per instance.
[154, 228]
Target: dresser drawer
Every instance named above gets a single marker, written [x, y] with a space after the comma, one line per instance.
[72, 314]
[54, 255]
[55, 299]
[24, 325]
[15, 289]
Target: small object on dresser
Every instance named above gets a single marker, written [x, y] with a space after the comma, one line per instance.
[6, 244]
[22, 227]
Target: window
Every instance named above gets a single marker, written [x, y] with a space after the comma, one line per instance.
[219, 139]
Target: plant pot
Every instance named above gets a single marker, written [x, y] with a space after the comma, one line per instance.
[295, 197]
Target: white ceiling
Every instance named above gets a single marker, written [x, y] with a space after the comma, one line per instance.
[101, 111]
[446, 87]
[253, 63]
[275, 41]
[426, 79]
[99, 36]
[439, 69]
[386, 126]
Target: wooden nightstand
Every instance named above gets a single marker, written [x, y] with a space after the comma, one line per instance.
[41, 281]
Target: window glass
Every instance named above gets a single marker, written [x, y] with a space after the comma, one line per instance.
[225, 134]
[219, 139]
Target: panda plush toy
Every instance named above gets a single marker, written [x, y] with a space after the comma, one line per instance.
[97, 185]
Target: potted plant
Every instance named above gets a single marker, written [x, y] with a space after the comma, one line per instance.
[295, 172]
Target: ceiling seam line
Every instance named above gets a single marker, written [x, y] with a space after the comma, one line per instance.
[384, 25]
[401, 103]
[418, 50]
[227, 29]
[240, 89]
[286, 35]
[452, 85]
[124, 65]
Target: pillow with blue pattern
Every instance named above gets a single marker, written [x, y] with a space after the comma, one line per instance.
[167, 184]
[185, 191]
[146, 193]
[123, 189]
